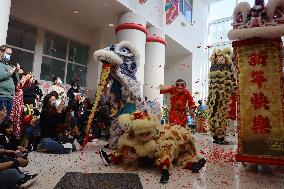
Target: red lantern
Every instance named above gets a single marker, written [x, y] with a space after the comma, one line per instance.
[27, 119]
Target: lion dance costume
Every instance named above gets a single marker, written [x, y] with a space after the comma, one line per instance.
[221, 85]
[145, 137]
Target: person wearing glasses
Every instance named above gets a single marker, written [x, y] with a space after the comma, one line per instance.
[8, 79]
[180, 98]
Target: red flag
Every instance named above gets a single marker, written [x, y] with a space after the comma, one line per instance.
[171, 10]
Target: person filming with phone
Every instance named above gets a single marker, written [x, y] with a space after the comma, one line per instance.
[8, 79]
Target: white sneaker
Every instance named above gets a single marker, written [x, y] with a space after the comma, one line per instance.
[67, 145]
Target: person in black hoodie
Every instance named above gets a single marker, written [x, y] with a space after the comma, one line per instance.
[71, 94]
[53, 125]
[32, 93]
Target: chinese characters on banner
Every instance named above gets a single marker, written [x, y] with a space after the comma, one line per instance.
[260, 100]
[260, 123]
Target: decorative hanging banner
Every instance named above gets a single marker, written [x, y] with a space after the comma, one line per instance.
[171, 11]
[260, 109]
[142, 1]
[99, 92]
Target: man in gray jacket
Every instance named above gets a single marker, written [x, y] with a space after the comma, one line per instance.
[8, 79]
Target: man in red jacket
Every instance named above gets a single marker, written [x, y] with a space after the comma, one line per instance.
[180, 97]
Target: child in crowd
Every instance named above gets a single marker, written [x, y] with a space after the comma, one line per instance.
[7, 139]
[191, 123]
[33, 132]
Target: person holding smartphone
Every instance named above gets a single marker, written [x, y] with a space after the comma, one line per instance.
[8, 79]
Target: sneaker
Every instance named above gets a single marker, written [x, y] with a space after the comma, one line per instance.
[27, 181]
[104, 157]
[220, 141]
[165, 176]
[198, 165]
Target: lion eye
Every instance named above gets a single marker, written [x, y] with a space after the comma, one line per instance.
[124, 50]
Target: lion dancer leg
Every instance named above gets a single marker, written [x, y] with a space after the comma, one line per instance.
[190, 159]
[114, 134]
[115, 157]
[217, 119]
[186, 155]
[165, 158]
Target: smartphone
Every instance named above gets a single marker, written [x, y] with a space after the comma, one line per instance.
[22, 155]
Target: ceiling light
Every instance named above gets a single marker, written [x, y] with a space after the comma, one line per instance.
[75, 11]
[110, 25]
[105, 4]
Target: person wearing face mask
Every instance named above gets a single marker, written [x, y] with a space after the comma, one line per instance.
[179, 97]
[8, 79]
[57, 87]
[53, 125]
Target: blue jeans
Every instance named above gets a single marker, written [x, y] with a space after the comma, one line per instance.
[52, 146]
[6, 102]
[30, 132]
[9, 178]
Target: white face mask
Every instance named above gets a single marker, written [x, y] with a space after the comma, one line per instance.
[7, 57]
[59, 81]
[56, 103]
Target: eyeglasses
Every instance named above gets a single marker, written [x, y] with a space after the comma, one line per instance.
[180, 84]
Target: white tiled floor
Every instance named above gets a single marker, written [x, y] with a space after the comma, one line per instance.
[221, 172]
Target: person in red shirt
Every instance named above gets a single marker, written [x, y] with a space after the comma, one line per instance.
[180, 98]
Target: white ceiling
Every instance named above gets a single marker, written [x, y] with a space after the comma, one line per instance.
[175, 49]
[93, 14]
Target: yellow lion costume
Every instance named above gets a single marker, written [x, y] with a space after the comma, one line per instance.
[221, 86]
[144, 137]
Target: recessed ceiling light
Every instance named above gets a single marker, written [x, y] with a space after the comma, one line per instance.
[75, 11]
[110, 25]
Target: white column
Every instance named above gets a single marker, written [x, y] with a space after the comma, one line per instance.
[38, 53]
[155, 63]
[132, 27]
[4, 19]
[93, 68]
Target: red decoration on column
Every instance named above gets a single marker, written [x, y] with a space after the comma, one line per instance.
[156, 39]
[131, 26]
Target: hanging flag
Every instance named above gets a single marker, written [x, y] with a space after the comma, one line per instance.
[171, 11]
[142, 1]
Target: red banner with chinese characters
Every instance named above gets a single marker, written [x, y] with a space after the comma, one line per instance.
[260, 101]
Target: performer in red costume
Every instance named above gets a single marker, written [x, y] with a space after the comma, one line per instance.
[180, 97]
